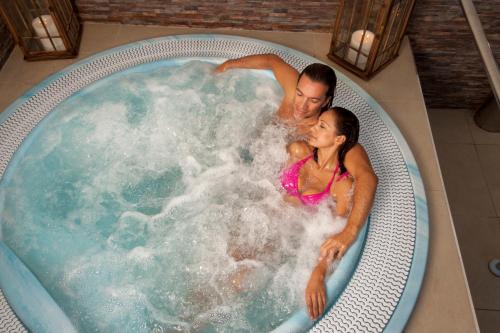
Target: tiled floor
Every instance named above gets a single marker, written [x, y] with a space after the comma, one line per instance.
[470, 163]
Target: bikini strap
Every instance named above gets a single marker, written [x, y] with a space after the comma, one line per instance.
[332, 179]
[304, 160]
[343, 176]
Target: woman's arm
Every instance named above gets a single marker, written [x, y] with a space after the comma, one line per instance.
[315, 294]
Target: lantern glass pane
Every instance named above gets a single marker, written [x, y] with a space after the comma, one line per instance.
[36, 8]
[357, 31]
[45, 29]
[368, 33]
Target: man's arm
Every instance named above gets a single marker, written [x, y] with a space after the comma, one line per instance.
[365, 182]
[285, 74]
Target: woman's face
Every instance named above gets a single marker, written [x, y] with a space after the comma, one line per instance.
[324, 133]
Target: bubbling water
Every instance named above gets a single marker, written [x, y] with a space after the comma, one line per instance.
[144, 196]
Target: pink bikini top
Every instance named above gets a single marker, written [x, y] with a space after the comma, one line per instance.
[290, 182]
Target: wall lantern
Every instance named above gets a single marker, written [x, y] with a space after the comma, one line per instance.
[43, 29]
[367, 34]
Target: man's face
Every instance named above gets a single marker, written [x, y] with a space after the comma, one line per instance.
[310, 97]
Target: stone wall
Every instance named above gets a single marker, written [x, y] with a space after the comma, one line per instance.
[285, 15]
[449, 65]
[6, 43]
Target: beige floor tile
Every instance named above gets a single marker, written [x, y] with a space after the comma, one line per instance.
[450, 125]
[16, 69]
[489, 158]
[10, 92]
[15, 60]
[301, 42]
[97, 37]
[304, 42]
[321, 46]
[444, 285]
[479, 135]
[397, 80]
[489, 321]
[479, 243]
[467, 191]
[132, 33]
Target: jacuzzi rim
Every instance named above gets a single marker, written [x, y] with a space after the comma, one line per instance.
[413, 283]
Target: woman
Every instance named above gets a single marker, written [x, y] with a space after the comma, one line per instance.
[317, 173]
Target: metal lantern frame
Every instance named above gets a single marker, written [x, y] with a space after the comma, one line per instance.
[43, 29]
[368, 33]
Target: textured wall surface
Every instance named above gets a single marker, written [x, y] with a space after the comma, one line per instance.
[288, 15]
[6, 43]
[449, 65]
[450, 69]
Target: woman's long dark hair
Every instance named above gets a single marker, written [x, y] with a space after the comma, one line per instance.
[323, 74]
[347, 124]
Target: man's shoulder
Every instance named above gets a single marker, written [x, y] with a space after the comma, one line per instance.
[356, 153]
[357, 149]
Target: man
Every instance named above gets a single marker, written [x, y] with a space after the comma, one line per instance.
[307, 94]
[304, 98]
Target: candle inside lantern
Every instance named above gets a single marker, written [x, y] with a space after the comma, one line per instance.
[51, 29]
[356, 48]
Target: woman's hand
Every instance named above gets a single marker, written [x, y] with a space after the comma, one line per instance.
[337, 245]
[316, 293]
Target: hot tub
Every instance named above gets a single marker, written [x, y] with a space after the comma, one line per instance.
[376, 284]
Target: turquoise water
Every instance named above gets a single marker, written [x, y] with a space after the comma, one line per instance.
[135, 191]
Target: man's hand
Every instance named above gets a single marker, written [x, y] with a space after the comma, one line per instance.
[337, 245]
